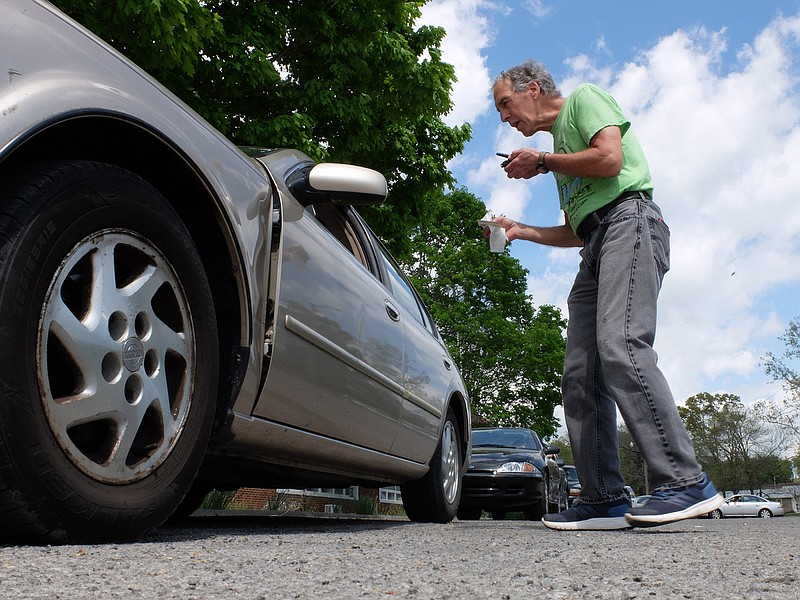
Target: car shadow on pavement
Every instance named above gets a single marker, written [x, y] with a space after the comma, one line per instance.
[208, 523]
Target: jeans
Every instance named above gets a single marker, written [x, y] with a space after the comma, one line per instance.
[610, 363]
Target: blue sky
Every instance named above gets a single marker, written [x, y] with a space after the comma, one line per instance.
[712, 91]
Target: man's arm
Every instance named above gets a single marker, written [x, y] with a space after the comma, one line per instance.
[558, 235]
[603, 158]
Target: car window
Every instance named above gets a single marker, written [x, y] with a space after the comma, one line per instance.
[503, 438]
[572, 473]
[335, 222]
[403, 291]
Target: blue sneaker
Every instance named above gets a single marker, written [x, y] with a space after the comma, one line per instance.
[674, 505]
[584, 517]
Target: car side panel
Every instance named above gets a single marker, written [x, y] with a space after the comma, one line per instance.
[736, 509]
[336, 367]
[427, 383]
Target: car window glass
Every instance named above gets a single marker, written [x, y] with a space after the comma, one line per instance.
[403, 291]
[505, 439]
[334, 221]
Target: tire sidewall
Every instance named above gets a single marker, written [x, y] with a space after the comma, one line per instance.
[451, 508]
[89, 198]
[425, 500]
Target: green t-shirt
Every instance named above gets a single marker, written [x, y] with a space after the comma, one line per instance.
[586, 111]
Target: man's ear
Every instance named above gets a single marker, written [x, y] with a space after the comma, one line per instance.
[534, 88]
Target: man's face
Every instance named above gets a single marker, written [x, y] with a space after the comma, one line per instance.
[518, 109]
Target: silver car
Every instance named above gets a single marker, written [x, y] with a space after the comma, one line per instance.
[178, 315]
[748, 505]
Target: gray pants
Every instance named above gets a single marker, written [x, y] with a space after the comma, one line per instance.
[610, 362]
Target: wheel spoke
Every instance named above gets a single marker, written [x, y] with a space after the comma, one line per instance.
[450, 479]
[119, 353]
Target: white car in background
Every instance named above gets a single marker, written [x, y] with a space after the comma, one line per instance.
[748, 505]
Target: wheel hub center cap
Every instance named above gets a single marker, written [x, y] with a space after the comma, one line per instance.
[132, 354]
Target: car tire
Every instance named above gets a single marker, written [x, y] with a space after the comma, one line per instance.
[716, 514]
[765, 513]
[552, 507]
[563, 500]
[109, 365]
[190, 503]
[539, 509]
[435, 497]
[469, 513]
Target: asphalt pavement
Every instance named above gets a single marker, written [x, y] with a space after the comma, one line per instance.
[254, 556]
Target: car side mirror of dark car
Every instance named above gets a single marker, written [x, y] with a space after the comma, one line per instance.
[336, 183]
[552, 450]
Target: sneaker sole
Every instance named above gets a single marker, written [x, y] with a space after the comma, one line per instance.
[696, 510]
[598, 524]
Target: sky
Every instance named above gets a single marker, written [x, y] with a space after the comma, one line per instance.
[711, 89]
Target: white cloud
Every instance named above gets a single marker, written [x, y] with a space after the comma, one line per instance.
[468, 34]
[538, 8]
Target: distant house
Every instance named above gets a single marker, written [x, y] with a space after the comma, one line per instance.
[352, 500]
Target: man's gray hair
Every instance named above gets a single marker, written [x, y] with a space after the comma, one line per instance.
[522, 75]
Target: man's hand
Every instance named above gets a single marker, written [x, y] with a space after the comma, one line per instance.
[512, 228]
[522, 164]
[560, 235]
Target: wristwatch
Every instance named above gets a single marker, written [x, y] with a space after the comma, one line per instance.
[541, 167]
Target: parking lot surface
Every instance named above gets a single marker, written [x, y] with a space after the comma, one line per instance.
[256, 556]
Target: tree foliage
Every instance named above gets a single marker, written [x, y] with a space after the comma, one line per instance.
[565, 447]
[782, 367]
[510, 353]
[735, 447]
[632, 466]
[350, 81]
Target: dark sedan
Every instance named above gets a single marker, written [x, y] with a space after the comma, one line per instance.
[510, 471]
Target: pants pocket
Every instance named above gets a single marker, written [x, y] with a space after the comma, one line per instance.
[659, 238]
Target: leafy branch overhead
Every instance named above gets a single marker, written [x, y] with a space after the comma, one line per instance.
[348, 81]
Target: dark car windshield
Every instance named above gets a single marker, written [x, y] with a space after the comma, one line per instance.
[505, 438]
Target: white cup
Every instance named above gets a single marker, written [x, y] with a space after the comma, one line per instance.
[497, 238]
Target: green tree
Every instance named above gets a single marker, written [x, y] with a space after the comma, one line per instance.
[735, 446]
[510, 353]
[782, 367]
[632, 465]
[564, 444]
[348, 81]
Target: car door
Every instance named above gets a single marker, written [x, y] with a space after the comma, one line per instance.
[736, 506]
[750, 506]
[336, 366]
[428, 374]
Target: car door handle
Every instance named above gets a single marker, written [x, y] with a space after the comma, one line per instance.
[447, 364]
[391, 311]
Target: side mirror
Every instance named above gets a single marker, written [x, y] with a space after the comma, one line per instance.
[552, 450]
[336, 183]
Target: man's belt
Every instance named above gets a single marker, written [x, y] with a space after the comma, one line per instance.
[592, 220]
